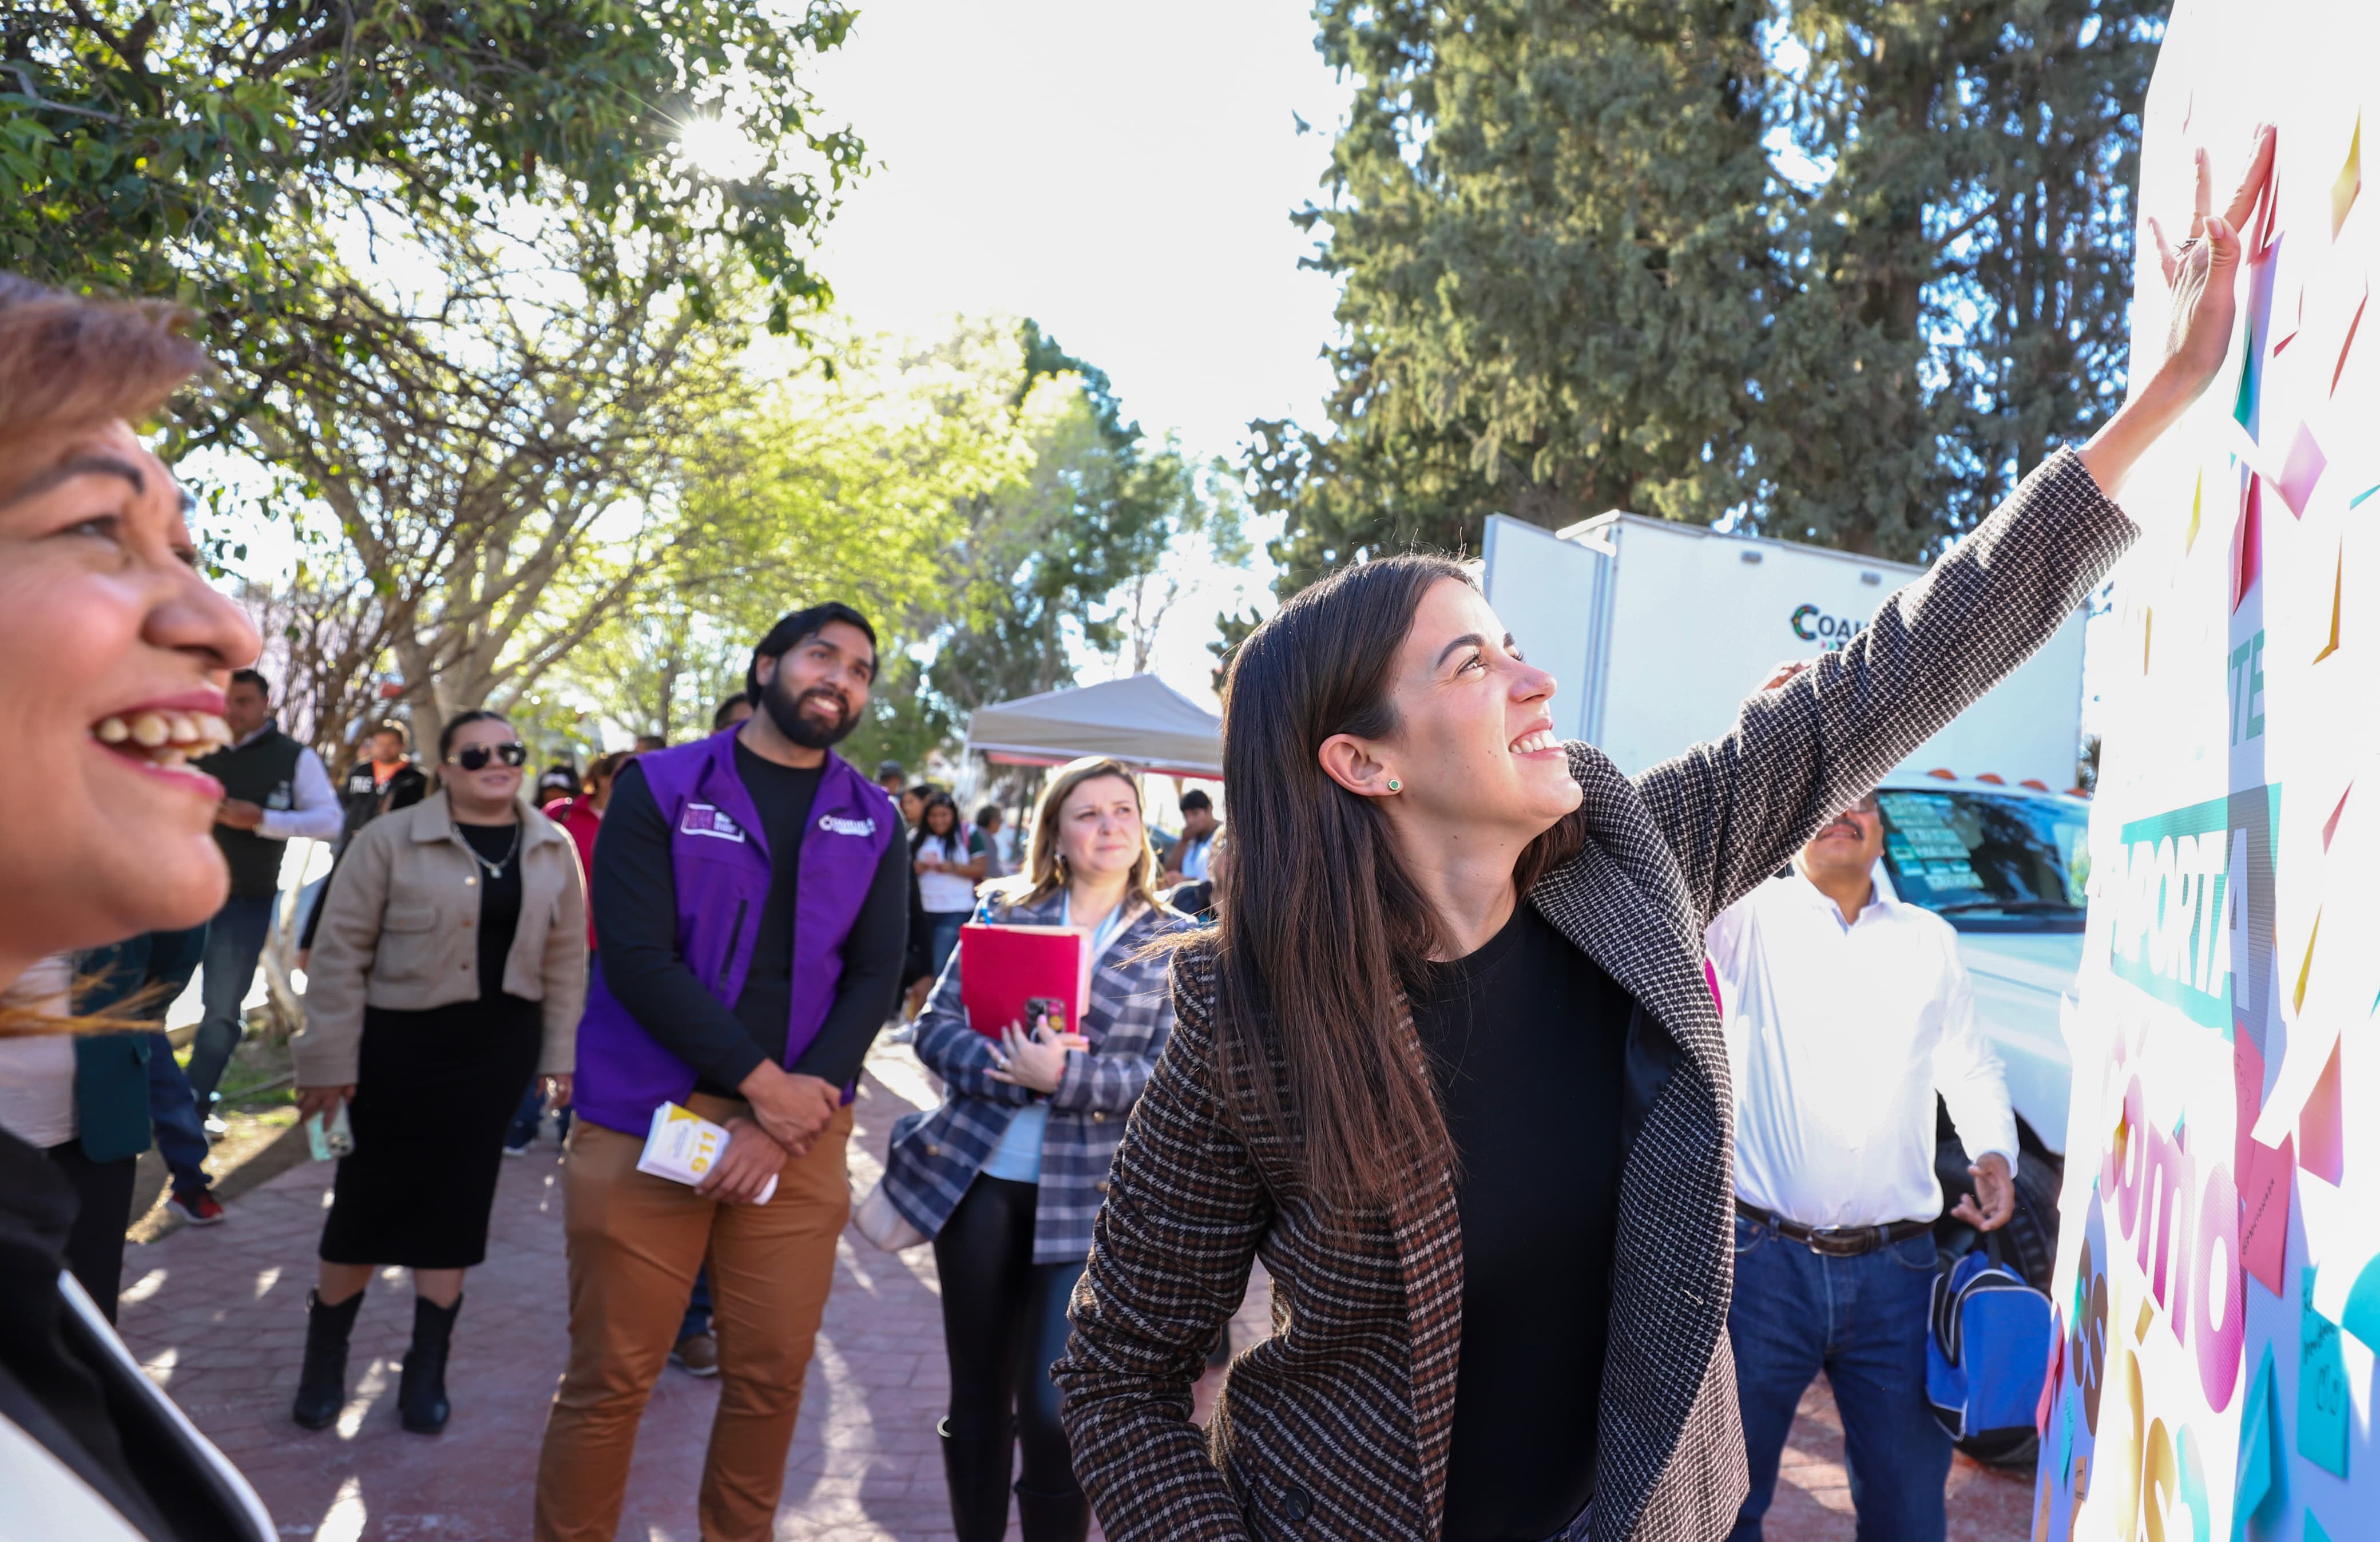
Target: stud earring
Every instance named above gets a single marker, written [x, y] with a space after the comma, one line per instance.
[1395, 785]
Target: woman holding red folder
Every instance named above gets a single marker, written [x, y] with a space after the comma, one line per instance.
[1007, 1175]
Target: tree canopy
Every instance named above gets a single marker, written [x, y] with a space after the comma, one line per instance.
[174, 149]
[1836, 271]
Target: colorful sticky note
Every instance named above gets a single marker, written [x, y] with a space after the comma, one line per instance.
[2258, 1487]
[2340, 368]
[2197, 497]
[2321, 1126]
[2301, 470]
[2264, 1212]
[2296, 323]
[2357, 499]
[2314, 1532]
[2322, 1386]
[2248, 541]
[2305, 970]
[2330, 645]
[2362, 1314]
[2350, 180]
[2148, 631]
[2330, 825]
[2248, 1098]
[2243, 404]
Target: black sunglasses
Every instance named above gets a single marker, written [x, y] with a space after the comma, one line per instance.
[476, 757]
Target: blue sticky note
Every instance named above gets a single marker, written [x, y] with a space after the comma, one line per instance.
[2322, 1385]
[2258, 1487]
[2314, 1532]
[2361, 1315]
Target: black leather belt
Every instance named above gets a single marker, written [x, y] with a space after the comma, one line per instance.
[1835, 1242]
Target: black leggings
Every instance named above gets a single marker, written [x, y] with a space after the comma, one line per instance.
[94, 1250]
[1004, 1321]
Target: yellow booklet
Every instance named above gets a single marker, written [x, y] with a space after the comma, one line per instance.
[683, 1146]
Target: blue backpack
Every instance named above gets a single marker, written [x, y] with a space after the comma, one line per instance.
[1985, 1354]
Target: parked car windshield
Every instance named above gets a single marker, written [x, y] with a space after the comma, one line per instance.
[1988, 861]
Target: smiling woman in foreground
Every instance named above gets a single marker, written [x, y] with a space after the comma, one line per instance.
[1449, 1064]
[113, 655]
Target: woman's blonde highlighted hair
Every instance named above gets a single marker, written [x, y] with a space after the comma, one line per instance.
[1045, 871]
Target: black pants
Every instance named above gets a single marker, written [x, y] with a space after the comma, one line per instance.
[1004, 1321]
[103, 1209]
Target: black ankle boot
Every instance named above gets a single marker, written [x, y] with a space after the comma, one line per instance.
[421, 1385]
[323, 1384]
[1054, 1517]
[976, 1469]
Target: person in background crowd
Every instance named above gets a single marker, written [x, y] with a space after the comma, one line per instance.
[452, 966]
[648, 742]
[913, 802]
[275, 790]
[1197, 898]
[706, 994]
[112, 650]
[997, 862]
[137, 981]
[730, 712]
[950, 864]
[1187, 860]
[1846, 1011]
[1455, 995]
[555, 782]
[889, 777]
[68, 1096]
[1006, 1174]
[386, 780]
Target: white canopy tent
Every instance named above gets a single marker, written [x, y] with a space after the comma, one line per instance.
[1139, 720]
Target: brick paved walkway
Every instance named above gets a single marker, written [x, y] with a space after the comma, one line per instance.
[218, 1316]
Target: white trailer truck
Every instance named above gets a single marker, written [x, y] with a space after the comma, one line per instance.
[1657, 631]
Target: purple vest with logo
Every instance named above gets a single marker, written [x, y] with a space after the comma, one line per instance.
[719, 860]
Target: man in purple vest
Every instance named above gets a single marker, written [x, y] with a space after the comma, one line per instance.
[751, 907]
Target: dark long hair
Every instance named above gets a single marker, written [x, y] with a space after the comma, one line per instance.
[952, 844]
[1321, 930]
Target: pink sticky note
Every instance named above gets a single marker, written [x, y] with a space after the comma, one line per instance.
[2264, 1213]
[2321, 1132]
[2248, 541]
[2248, 1097]
[2303, 468]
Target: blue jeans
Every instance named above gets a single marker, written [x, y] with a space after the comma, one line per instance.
[174, 1118]
[942, 930]
[522, 1133]
[235, 940]
[1864, 1322]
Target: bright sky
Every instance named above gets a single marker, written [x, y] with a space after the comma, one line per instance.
[1122, 173]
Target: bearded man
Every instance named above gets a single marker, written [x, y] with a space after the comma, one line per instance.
[751, 911]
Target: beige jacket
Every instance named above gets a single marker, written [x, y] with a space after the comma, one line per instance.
[401, 930]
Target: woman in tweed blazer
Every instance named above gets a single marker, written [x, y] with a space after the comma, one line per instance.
[1398, 800]
[1007, 1173]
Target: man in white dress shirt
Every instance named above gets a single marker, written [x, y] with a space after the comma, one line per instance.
[1846, 1011]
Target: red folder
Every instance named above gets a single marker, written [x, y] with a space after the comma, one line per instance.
[1002, 967]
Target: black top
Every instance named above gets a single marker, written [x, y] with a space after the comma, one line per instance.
[634, 900]
[500, 898]
[65, 1390]
[1528, 1037]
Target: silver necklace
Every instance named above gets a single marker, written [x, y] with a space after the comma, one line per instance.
[496, 869]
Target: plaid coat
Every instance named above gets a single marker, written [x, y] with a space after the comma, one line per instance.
[1337, 1426]
[937, 1153]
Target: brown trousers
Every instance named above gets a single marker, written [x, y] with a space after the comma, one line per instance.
[635, 1243]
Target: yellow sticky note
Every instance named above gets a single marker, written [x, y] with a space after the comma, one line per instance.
[2351, 180]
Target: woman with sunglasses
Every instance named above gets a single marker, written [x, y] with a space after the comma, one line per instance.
[450, 968]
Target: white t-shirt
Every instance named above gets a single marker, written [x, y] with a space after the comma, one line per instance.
[942, 894]
[37, 1072]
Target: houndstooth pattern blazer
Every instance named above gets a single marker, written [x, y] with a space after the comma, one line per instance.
[1337, 1426]
[936, 1154]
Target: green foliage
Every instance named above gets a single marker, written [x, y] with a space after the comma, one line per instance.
[177, 148]
[1837, 269]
